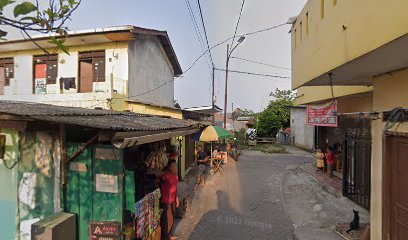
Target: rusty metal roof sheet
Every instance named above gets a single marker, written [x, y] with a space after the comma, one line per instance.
[92, 118]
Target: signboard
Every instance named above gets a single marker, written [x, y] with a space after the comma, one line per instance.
[107, 183]
[107, 154]
[322, 114]
[104, 230]
[78, 167]
[40, 86]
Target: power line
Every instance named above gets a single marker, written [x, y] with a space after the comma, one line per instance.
[265, 64]
[205, 32]
[197, 30]
[226, 40]
[205, 52]
[239, 19]
[218, 69]
[255, 74]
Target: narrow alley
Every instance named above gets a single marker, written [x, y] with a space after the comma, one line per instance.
[249, 201]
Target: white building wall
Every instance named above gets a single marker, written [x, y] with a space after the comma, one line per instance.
[302, 134]
[68, 67]
[117, 64]
[149, 69]
[22, 83]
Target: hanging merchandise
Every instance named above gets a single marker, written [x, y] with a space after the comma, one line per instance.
[147, 212]
[157, 159]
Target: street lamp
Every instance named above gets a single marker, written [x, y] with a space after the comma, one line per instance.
[229, 53]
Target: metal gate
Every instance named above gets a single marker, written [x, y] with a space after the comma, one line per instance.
[357, 169]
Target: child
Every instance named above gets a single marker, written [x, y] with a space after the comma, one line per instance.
[319, 159]
[330, 161]
[201, 160]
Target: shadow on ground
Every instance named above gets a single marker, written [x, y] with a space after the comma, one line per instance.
[243, 203]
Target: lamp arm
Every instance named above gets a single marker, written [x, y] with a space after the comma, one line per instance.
[230, 53]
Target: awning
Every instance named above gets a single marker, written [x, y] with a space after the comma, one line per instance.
[129, 139]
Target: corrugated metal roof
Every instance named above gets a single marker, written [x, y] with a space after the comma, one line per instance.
[92, 118]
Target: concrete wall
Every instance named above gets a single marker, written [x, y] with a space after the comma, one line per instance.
[355, 103]
[303, 134]
[307, 95]
[325, 45]
[9, 186]
[150, 69]
[120, 104]
[116, 70]
[390, 91]
[31, 189]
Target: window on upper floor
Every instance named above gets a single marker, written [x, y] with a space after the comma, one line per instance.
[322, 9]
[91, 69]
[301, 31]
[307, 23]
[46, 68]
[295, 37]
[6, 71]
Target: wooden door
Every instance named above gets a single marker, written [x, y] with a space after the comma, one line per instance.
[80, 188]
[91, 199]
[85, 77]
[398, 158]
[108, 175]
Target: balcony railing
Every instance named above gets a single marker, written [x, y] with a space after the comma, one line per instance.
[111, 84]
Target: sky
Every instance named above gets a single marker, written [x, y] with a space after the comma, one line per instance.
[220, 16]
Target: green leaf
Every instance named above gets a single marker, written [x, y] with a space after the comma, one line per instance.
[4, 3]
[24, 9]
[65, 9]
[50, 13]
[32, 19]
[72, 3]
[60, 44]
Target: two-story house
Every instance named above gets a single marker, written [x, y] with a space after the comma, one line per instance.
[120, 68]
[354, 52]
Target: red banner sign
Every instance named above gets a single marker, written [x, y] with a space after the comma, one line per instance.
[322, 114]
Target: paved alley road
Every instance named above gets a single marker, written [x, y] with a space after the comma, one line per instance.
[244, 203]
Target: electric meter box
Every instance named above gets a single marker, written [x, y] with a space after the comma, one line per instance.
[60, 226]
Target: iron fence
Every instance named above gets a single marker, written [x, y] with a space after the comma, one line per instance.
[357, 169]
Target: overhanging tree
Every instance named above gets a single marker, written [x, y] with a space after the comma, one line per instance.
[277, 115]
[29, 16]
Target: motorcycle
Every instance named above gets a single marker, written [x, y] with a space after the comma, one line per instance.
[234, 152]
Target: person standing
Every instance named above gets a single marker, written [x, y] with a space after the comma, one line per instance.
[201, 160]
[330, 161]
[320, 159]
[169, 200]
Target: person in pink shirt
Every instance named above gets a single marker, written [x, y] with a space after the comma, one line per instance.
[169, 200]
[330, 161]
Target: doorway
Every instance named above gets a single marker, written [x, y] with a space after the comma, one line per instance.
[396, 187]
[91, 70]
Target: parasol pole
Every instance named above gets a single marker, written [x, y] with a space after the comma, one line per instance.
[211, 156]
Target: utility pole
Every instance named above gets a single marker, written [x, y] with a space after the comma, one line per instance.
[229, 53]
[213, 95]
[226, 89]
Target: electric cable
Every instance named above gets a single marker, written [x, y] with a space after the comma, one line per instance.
[226, 40]
[205, 32]
[260, 63]
[239, 19]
